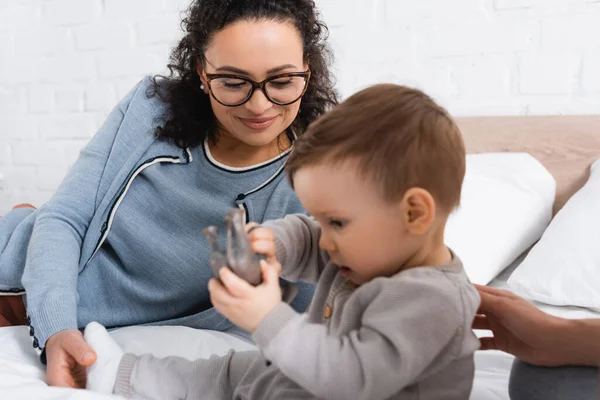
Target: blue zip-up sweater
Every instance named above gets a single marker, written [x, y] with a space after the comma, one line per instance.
[120, 241]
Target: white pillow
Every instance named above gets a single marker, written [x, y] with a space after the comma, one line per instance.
[506, 205]
[563, 268]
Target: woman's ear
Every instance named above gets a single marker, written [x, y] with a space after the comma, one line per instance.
[419, 210]
[204, 84]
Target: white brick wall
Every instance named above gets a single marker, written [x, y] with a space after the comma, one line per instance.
[65, 63]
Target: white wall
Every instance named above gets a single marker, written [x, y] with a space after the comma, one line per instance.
[65, 63]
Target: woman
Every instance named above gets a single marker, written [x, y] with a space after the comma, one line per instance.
[557, 358]
[121, 241]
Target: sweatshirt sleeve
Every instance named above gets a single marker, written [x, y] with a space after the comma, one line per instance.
[53, 255]
[297, 245]
[404, 327]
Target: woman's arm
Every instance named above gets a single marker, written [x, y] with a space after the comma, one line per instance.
[53, 256]
[579, 342]
[519, 328]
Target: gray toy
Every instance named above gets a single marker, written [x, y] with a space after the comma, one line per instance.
[238, 255]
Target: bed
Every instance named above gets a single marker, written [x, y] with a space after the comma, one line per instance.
[565, 145]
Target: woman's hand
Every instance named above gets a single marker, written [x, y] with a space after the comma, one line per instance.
[243, 304]
[67, 356]
[519, 328]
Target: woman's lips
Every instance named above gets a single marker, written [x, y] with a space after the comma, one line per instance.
[345, 271]
[258, 123]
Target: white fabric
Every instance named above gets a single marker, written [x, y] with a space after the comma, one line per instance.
[506, 205]
[563, 268]
[102, 374]
[22, 376]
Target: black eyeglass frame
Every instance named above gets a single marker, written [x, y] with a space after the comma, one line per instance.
[259, 85]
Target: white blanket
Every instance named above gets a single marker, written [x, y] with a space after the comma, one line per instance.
[22, 375]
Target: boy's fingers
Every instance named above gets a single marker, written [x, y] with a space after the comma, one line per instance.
[266, 247]
[217, 286]
[233, 283]
[275, 265]
[218, 292]
[258, 232]
[269, 272]
[214, 284]
[250, 226]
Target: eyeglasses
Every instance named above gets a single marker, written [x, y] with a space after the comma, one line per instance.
[235, 90]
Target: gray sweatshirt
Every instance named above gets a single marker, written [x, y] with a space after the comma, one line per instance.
[402, 337]
[406, 336]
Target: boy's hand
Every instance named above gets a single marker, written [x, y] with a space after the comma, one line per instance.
[262, 241]
[243, 304]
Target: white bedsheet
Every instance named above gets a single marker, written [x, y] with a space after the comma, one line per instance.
[22, 376]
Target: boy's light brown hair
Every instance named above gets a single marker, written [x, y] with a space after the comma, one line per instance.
[400, 138]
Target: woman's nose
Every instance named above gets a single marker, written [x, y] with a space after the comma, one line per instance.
[258, 104]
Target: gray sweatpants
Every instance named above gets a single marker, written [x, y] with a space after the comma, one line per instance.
[528, 382]
[237, 375]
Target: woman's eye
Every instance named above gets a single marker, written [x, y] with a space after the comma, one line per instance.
[234, 84]
[280, 84]
[229, 83]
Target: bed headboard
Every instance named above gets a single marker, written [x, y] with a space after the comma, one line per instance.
[565, 145]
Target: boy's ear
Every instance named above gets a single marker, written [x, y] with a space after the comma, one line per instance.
[419, 210]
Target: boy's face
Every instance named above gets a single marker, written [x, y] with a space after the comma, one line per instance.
[364, 235]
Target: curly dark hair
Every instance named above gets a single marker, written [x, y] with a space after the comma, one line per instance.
[190, 119]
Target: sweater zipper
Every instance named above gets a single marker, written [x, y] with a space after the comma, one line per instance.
[107, 225]
[239, 200]
[242, 196]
